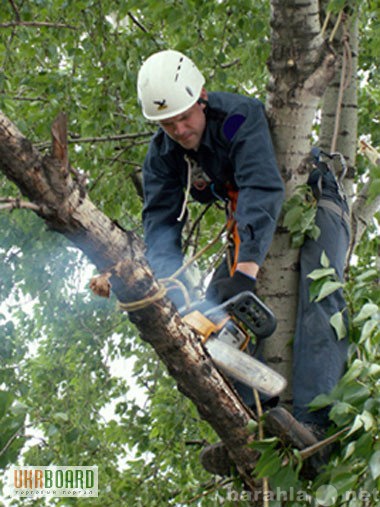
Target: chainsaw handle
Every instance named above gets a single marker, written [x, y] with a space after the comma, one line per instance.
[250, 310]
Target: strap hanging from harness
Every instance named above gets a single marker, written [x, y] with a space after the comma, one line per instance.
[232, 227]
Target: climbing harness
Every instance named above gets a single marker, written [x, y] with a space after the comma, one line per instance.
[323, 162]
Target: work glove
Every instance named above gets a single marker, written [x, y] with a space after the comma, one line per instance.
[226, 288]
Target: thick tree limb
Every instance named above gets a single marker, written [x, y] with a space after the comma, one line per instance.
[61, 203]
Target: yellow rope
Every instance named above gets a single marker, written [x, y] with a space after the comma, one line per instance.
[143, 303]
[180, 285]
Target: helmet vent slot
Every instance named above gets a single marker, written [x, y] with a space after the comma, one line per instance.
[178, 69]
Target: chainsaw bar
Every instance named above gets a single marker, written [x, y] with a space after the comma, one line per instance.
[245, 368]
[224, 337]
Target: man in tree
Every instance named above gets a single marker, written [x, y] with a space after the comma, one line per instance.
[218, 147]
[213, 146]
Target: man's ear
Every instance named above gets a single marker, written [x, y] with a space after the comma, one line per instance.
[204, 97]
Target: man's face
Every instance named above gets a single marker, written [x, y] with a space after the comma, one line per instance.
[187, 128]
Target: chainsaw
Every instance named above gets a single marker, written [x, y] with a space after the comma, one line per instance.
[226, 331]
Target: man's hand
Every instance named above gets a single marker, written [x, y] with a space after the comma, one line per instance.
[226, 288]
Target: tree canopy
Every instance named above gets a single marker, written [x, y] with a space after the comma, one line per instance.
[77, 384]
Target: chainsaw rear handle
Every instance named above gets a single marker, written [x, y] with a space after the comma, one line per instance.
[250, 310]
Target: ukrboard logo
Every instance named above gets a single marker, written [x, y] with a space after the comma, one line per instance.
[53, 481]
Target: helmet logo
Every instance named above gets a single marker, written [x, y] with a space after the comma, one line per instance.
[161, 104]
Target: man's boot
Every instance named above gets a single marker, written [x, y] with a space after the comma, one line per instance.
[280, 423]
[214, 458]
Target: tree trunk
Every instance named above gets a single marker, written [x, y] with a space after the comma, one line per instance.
[301, 66]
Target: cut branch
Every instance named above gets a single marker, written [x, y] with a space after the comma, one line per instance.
[36, 24]
[15, 10]
[137, 22]
[25, 99]
[104, 139]
[228, 65]
[14, 203]
[11, 440]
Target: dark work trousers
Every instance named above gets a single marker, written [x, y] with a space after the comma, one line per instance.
[319, 357]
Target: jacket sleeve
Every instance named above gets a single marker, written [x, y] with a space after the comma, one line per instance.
[261, 189]
[163, 197]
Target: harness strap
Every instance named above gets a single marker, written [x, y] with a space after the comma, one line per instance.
[326, 203]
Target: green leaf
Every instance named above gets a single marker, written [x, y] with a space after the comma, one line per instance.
[369, 327]
[369, 273]
[358, 423]
[252, 425]
[19, 408]
[327, 289]
[292, 218]
[297, 240]
[368, 420]
[325, 261]
[315, 232]
[364, 446]
[264, 444]
[353, 372]
[62, 416]
[374, 369]
[368, 311]
[6, 399]
[268, 464]
[349, 450]
[341, 413]
[337, 323]
[317, 274]
[374, 465]
[315, 288]
[284, 479]
[356, 394]
[52, 430]
[320, 401]
[344, 481]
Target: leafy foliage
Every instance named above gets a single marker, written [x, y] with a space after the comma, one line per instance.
[299, 216]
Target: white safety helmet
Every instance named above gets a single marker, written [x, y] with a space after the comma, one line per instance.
[168, 84]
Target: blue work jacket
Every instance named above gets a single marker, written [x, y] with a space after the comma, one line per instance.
[236, 150]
